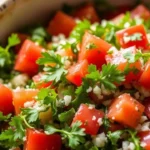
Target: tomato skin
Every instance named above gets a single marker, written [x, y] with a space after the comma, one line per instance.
[118, 59]
[6, 99]
[38, 83]
[142, 43]
[126, 110]
[145, 138]
[77, 72]
[61, 23]
[146, 103]
[37, 140]
[85, 115]
[27, 57]
[87, 12]
[20, 96]
[144, 79]
[140, 11]
[95, 55]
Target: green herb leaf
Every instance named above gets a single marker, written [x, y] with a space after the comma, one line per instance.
[39, 35]
[134, 138]
[114, 137]
[4, 118]
[81, 94]
[56, 71]
[67, 116]
[5, 56]
[31, 114]
[79, 30]
[14, 135]
[44, 92]
[12, 41]
[17, 122]
[108, 76]
[73, 135]
[48, 98]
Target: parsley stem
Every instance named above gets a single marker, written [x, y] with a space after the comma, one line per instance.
[26, 123]
[145, 54]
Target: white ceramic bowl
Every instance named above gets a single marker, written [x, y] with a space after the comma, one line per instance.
[15, 14]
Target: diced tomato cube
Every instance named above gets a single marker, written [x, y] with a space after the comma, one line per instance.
[77, 72]
[37, 140]
[40, 84]
[126, 110]
[87, 12]
[89, 118]
[145, 139]
[93, 49]
[21, 96]
[6, 99]
[141, 11]
[27, 57]
[144, 79]
[133, 36]
[118, 58]
[61, 23]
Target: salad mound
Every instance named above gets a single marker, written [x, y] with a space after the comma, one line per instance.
[80, 83]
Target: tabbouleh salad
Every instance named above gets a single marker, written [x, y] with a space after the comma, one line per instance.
[80, 83]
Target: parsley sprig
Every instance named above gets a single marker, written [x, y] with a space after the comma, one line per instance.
[4, 117]
[54, 66]
[79, 30]
[5, 56]
[108, 76]
[15, 132]
[46, 99]
[115, 136]
[74, 134]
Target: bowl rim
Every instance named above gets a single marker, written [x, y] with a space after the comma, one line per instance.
[4, 4]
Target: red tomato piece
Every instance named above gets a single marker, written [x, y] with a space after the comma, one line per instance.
[37, 140]
[145, 139]
[117, 58]
[126, 110]
[87, 12]
[20, 96]
[133, 36]
[61, 23]
[93, 49]
[6, 105]
[144, 79]
[77, 72]
[27, 57]
[89, 118]
[141, 11]
[40, 84]
[146, 103]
